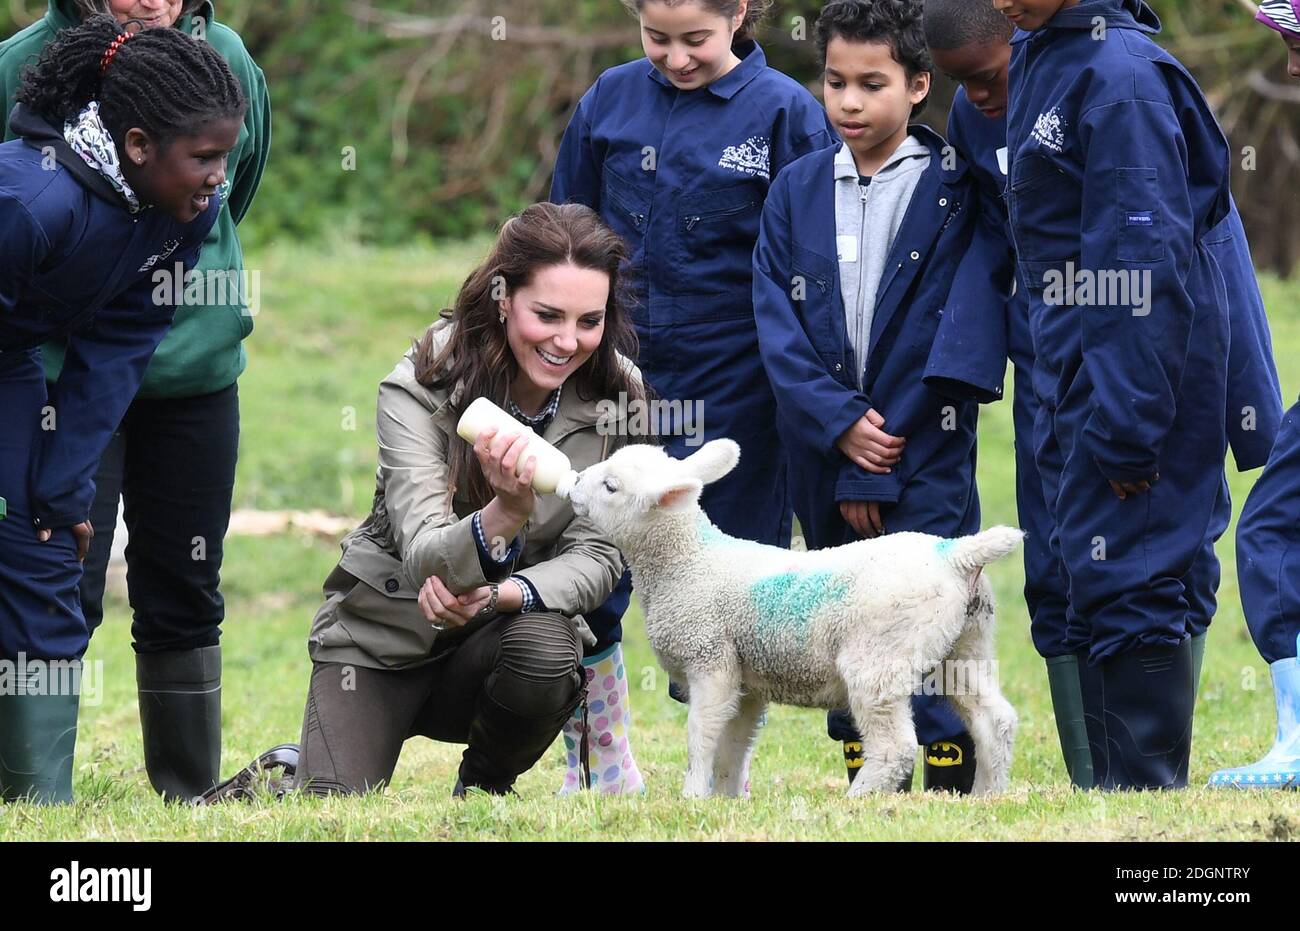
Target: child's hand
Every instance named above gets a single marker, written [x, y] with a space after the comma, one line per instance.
[869, 446]
[83, 533]
[1124, 489]
[864, 517]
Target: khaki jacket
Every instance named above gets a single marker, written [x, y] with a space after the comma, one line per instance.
[417, 529]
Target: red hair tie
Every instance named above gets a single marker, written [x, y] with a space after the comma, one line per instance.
[112, 50]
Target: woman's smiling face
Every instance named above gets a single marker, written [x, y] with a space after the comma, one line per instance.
[553, 325]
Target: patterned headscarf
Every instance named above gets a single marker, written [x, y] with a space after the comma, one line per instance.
[90, 139]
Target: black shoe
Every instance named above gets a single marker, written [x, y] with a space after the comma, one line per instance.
[1148, 695]
[243, 786]
[950, 765]
[180, 718]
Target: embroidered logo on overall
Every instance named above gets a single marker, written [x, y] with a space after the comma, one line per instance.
[1049, 130]
[750, 157]
[169, 247]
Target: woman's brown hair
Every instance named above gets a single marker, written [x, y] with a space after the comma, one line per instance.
[477, 356]
[754, 13]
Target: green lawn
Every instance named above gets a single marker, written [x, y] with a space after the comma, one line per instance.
[331, 326]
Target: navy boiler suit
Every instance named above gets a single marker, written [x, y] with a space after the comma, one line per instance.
[682, 177]
[810, 362]
[1117, 165]
[78, 264]
[1254, 407]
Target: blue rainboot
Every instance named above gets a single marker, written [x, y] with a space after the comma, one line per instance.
[1280, 767]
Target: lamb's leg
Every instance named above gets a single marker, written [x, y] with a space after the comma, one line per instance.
[888, 742]
[715, 697]
[731, 768]
[979, 701]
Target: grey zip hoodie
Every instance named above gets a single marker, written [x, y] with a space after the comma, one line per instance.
[867, 220]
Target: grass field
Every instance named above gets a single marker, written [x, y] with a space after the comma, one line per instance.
[332, 325]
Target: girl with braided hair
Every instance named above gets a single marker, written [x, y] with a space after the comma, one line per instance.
[179, 439]
[109, 179]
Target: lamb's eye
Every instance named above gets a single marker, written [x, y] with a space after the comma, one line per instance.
[610, 486]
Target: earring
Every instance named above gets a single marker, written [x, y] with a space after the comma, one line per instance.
[502, 317]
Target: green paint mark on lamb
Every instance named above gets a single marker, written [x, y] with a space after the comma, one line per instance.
[787, 602]
[944, 547]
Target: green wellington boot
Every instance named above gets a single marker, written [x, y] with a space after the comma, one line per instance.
[1067, 705]
[38, 733]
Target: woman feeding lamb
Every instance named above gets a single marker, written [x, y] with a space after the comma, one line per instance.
[456, 611]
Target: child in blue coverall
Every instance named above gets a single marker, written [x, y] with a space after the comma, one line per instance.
[1118, 174]
[1268, 546]
[969, 41]
[109, 179]
[853, 275]
[676, 151]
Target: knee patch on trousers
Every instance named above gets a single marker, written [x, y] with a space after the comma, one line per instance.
[540, 664]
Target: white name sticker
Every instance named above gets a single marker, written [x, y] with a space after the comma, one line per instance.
[847, 247]
[1002, 159]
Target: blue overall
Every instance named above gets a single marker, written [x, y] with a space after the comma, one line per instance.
[78, 264]
[682, 176]
[1118, 175]
[1254, 403]
[1268, 548]
[799, 306]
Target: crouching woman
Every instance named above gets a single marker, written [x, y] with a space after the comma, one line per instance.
[456, 610]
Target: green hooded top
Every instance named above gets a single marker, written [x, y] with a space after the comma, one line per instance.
[204, 350]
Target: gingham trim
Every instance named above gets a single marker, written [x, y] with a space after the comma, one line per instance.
[542, 419]
[485, 552]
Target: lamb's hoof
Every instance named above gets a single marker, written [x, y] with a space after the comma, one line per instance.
[693, 791]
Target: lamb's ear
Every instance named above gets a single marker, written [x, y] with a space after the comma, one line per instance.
[713, 460]
[679, 495]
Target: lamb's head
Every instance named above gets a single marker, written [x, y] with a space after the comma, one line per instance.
[640, 485]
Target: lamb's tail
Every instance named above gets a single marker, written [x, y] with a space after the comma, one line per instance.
[970, 554]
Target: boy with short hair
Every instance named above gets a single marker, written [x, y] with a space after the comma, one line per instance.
[969, 41]
[857, 249]
[1118, 174]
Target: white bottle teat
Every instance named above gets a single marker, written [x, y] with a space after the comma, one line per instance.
[553, 467]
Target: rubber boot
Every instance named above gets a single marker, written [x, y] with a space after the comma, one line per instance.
[1147, 695]
[1091, 689]
[1198, 660]
[1280, 767]
[853, 760]
[503, 744]
[1067, 706]
[180, 717]
[950, 765]
[38, 733]
[609, 767]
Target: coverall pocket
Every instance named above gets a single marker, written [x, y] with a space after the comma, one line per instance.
[627, 211]
[1137, 200]
[715, 232]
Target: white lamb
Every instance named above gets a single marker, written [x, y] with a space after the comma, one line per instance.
[743, 624]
